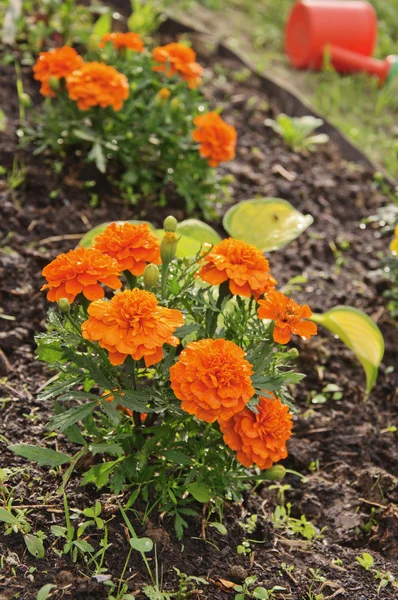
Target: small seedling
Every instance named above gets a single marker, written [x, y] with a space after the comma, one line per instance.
[297, 131]
[259, 592]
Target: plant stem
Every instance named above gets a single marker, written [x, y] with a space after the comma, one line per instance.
[131, 279]
[223, 292]
[164, 271]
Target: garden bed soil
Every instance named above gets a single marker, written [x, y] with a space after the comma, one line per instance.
[345, 448]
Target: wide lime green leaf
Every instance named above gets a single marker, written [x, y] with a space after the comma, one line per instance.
[103, 25]
[268, 223]
[198, 230]
[88, 239]
[359, 333]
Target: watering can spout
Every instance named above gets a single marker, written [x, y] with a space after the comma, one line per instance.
[347, 61]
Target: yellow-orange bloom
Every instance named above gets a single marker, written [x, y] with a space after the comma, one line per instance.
[289, 317]
[132, 246]
[243, 265]
[97, 84]
[178, 58]
[80, 271]
[132, 324]
[217, 139]
[261, 437]
[131, 40]
[394, 243]
[58, 63]
[212, 379]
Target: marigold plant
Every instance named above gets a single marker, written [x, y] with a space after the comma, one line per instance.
[288, 316]
[183, 387]
[138, 114]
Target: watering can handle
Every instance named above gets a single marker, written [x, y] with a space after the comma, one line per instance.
[346, 60]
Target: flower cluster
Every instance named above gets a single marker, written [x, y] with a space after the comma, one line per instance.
[162, 134]
[212, 376]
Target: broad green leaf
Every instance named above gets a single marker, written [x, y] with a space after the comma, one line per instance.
[359, 333]
[103, 25]
[198, 230]
[7, 517]
[200, 492]
[64, 420]
[365, 560]
[99, 474]
[220, 527]
[144, 544]
[35, 545]
[44, 591]
[268, 223]
[88, 239]
[44, 457]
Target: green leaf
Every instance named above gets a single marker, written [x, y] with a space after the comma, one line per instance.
[42, 456]
[105, 448]
[268, 223]
[199, 231]
[97, 155]
[44, 591]
[220, 527]
[366, 560]
[260, 593]
[359, 333]
[144, 544]
[99, 474]
[72, 433]
[35, 545]
[64, 420]
[200, 492]
[178, 457]
[187, 246]
[88, 239]
[103, 25]
[7, 517]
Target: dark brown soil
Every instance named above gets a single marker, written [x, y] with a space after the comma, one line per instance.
[351, 489]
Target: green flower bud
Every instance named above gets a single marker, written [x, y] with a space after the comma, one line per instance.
[168, 247]
[170, 223]
[129, 135]
[151, 276]
[63, 305]
[54, 83]
[175, 104]
[25, 100]
[293, 353]
[275, 473]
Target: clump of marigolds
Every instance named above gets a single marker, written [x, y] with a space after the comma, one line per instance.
[176, 368]
[137, 113]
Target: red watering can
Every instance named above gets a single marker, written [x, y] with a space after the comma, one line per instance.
[347, 29]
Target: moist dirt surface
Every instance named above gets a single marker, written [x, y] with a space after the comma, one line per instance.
[346, 448]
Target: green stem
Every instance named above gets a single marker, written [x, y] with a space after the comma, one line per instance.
[223, 292]
[131, 279]
[164, 272]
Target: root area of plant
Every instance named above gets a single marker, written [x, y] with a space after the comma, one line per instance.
[344, 446]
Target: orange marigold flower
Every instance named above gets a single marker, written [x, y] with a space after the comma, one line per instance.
[243, 265]
[261, 437]
[97, 84]
[131, 40]
[289, 317]
[212, 379]
[178, 58]
[132, 246]
[58, 63]
[80, 271]
[132, 324]
[217, 139]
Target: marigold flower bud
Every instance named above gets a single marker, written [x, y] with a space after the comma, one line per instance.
[175, 104]
[162, 95]
[151, 276]
[168, 247]
[293, 353]
[63, 305]
[170, 223]
[25, 99]
[275, 473]
[54, 83]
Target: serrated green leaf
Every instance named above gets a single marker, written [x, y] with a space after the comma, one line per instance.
[144, 544]
[99, 474]
[71, 416]
[268, 223]
[104, 448]
[178, 457]
[134, 400]
[359, 333]
[44, 457]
